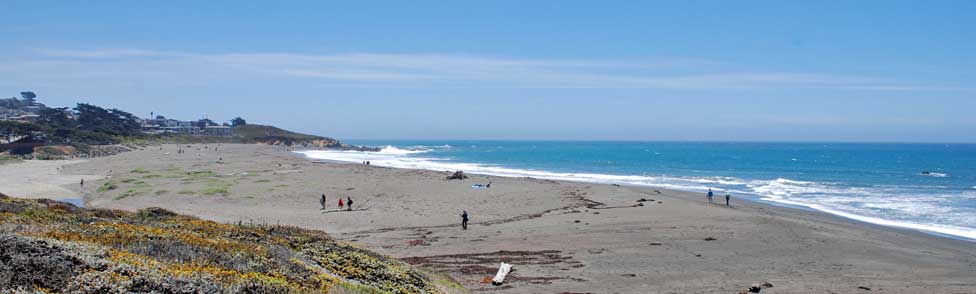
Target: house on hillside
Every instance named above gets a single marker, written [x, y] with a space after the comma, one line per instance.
[218, 131]
[26, 118]
[162, 125]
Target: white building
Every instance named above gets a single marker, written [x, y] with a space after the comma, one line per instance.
[218, 131]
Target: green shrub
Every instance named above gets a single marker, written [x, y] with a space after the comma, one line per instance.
[105, 187]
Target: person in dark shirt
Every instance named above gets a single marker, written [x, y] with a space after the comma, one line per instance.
[464, 219]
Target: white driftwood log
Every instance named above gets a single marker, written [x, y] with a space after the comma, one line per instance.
[503, 271]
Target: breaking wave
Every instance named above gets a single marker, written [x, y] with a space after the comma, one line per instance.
[868, 204]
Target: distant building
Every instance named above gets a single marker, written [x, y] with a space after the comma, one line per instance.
[162, 125]
[26, 118]
[218, 131]
[191, 130]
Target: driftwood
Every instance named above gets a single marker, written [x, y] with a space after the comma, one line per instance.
[503, 271]
[458, 175]
[344, 210]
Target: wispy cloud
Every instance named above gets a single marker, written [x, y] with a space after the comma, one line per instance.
[433, 70]
[104, 53]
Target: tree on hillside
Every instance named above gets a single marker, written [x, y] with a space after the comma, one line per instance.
[124, 122]
[55, 117]
[238, 121]
[113, 122]
[28, 96]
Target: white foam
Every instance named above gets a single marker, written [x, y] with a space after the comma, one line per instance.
[390, 150]
[968, 233]
[936, 175]
[850, 202]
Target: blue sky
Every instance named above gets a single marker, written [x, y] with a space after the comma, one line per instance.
[681, 70]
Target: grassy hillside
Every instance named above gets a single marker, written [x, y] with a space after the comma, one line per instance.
[48, 246]
[262, 133]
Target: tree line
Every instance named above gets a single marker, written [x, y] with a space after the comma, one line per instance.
[83, 124]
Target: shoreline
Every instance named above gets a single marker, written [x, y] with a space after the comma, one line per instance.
[959, 233]
[561, 236]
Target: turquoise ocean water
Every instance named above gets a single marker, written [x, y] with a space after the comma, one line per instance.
[930, 187]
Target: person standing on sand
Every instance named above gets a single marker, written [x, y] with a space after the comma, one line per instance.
[464, 219]
[322, 201]
[728, 196]
[340, 203]
[709, 195]
[348, 203]
[82, 182]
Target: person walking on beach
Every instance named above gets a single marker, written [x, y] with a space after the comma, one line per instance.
[82, 182]
[728, 196]
[340, 203]
[322, 201]
[464, 219]
[348, 203]
[709, 195]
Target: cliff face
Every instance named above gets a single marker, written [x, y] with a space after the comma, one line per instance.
[53, 246]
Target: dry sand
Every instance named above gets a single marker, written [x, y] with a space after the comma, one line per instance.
[42, 179]
[562, 237]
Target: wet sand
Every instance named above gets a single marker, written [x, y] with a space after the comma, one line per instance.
[562, 237]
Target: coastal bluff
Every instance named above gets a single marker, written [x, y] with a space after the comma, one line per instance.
[49, 246]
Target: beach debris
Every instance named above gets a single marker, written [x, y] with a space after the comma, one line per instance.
[576, 221]
[656, 244]
[756, 288]
[415, 242]
[645, 200]
[864, 288]
[458, 175]
[710, 239]
[503, 271]
[657, 191]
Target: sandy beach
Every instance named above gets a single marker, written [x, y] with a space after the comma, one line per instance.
[561, 237]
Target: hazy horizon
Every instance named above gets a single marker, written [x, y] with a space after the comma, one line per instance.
[759, 71]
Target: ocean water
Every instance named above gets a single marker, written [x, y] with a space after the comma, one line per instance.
[929, 187]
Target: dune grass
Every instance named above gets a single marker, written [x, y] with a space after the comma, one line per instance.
[6, 159]
[214, 187]
[106, 186]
